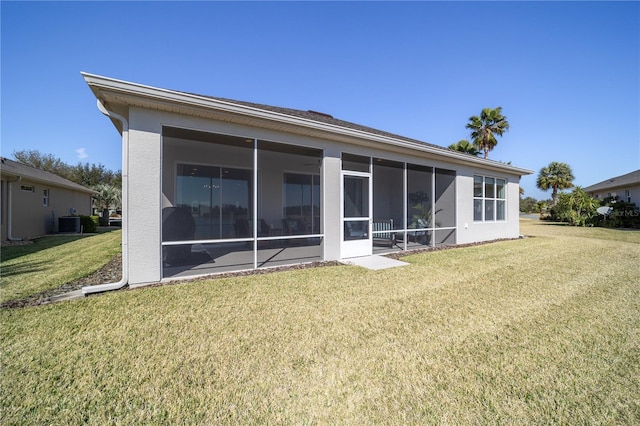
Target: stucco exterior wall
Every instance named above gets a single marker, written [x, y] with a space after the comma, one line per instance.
[29, 216]
[149, 164]
[621, 193]
[144, 198]
[470, 231]
[3, 210]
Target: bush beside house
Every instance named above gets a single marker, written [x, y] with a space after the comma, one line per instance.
[89, 224]
[578, 208]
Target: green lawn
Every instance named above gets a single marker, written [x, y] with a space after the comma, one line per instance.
[535, 331]
[53, 261]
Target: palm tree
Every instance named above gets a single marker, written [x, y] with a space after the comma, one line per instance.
[465, 146]
[485, 127]
[105, 197]
[555, 176]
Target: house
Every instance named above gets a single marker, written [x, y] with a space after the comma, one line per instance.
[33, 200]
[625, 187]
[214, 185]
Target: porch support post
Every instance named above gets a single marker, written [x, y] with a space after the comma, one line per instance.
[405, 210]
[145, 201]
[255, 204]
[331, 205]
[433, 206]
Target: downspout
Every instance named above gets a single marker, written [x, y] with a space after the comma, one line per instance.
[125, 207]
[10, 207]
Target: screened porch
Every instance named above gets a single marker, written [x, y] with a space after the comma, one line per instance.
[233, 203]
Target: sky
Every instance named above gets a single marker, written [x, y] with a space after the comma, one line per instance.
[566, 74]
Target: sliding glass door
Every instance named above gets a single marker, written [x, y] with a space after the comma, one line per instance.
[217, 198]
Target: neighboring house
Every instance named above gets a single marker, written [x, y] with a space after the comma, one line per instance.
[33, 200]
[625, 187]
[214, 185]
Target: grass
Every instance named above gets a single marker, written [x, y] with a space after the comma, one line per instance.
[53, 261]
[537, 331]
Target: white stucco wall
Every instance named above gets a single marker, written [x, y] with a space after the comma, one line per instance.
[144, 198]
[470, 231]
[331, 181]
[149, 166]
[621, 193]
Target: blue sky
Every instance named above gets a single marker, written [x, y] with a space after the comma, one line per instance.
[566, 74]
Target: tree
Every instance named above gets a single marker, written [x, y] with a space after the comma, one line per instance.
[40, 161]
[86, 174]
[465, 146]
[107, 196]
[577, 207]
[90, 175]
[529, 205]
[485, 127]
[555, 176]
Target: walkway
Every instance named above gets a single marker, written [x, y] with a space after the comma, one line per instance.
[374, 262]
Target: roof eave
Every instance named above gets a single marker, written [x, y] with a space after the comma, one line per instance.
[51, 183]
[98, 84]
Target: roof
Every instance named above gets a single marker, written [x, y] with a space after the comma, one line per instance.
[122, 94]
[630, 179]
[12, 168]
[324, 118]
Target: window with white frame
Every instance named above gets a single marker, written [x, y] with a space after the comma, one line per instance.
[45, 197]
[489, 199]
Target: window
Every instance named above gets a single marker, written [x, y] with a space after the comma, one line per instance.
[627, 194]
[489, 199]
[27, 188]
[45, 197]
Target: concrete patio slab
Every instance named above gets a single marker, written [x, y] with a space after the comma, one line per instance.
[374, 262]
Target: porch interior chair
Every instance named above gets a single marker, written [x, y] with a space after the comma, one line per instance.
[177, 225]
[384, 237]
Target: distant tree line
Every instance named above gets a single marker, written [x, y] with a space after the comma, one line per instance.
[85, 174]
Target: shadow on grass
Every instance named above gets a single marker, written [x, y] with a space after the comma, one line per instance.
[22, 268]
[42, 243]
[546, 222]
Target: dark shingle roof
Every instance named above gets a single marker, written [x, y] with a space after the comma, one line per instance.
[630, 179]
[322, 118]
[13, 168]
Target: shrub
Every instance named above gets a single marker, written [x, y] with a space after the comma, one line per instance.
[529, 205]
[623, 215]
[89, 223]
[576, 207]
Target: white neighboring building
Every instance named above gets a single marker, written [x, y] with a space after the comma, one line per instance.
[213, 185]
[625, 187]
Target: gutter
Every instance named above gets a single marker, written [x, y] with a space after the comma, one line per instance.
[125, 206]
[10, 207]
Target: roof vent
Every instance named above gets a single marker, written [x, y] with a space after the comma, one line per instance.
[320, 113]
